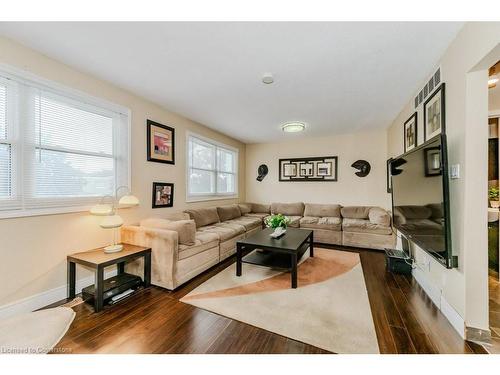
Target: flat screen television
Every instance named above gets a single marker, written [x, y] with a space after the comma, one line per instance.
[420, 199]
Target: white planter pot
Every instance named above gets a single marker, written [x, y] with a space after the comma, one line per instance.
[495, 204]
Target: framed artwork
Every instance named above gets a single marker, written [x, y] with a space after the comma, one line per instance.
[324, 169]
[161, 143]
[410, 133]
[306, 169]
[432, 157]
[163, 194]
[289, 170]
[388, 175]
[319, 169]
[434, 114]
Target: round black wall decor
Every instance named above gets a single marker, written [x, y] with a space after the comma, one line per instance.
[262, 172]
[363, 168]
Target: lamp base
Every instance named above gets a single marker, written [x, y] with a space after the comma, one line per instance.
[113, 249]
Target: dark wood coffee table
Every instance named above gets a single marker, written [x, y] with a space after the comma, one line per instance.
[281, 253]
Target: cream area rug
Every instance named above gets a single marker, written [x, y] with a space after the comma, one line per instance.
[36, 332]
[329, 309]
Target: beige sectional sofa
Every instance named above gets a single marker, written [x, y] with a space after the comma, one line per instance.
[185, 244]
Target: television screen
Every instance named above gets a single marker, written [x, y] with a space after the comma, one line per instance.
[420, 198]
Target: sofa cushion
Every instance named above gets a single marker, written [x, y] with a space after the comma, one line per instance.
[322, 210]
[245, 208]
[294, 221]
[378, 215]
[437, 210]
[186, 229]
[225, 231]
[288, 209]
[364, 226]
[247, 221]
[260, 215]
[355, 212]
[328, 223]
[204, 216]
[228, 212]
[261, 208]
[203, 241]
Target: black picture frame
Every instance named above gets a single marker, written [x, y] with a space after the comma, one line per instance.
[440, 90]
[150, 156]
[429, 171]
[170, 201]
[414, 118]
[309, 160]
[388, 175]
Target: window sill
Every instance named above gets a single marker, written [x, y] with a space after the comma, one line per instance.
[210, 198]
[10, 214]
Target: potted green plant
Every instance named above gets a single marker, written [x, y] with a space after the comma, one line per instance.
[493, 194]
[278, 222]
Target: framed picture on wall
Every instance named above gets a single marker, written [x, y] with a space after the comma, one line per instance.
[410, 133]
[306, 169]
[324, 169]
[160, 143]
[163, 194]
[434, 114]
[289, 170]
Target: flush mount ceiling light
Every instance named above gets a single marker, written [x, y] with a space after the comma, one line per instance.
[293, 127]
[267, 78]
[493, 77]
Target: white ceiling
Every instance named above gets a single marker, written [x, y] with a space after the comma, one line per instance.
[336, 77]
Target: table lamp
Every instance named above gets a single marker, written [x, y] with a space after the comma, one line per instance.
[107, 207]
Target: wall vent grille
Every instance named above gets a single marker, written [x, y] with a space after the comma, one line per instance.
[429, 87]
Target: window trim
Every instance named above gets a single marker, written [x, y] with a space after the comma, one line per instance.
[14, 74]
[191, 198]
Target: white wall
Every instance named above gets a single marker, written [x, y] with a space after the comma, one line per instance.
[464, 288]
[33, 250]
[348, 190]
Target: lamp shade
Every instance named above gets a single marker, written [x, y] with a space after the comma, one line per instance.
[102, 209]
[112, 221]
[129, 200]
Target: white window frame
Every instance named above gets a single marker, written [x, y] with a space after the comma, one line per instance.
[23, 77]
[215, 196]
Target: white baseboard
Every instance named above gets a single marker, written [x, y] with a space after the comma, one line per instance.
[436, 296]
[43, 299]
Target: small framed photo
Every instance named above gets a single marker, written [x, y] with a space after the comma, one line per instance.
[432, 157]
[410, 133]
[306, 169]
[324, 169]
[434, 114]
[289, 170]
[161, 143]
[163, 194]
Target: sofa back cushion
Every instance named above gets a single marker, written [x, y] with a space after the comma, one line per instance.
[261, 208]
[186, 229]
[322, 210]
[355, 212]
[245, 208]
[204, 216]
[379, 216]
[437, 210]
[229, 212]
[288, 209]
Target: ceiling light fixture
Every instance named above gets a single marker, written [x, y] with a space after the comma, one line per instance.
[492, 81]
[267, 78]
[293, 127]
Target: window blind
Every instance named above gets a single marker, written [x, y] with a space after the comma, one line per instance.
[212, 169]
[73, 152]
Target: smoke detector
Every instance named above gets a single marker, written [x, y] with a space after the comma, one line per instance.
[267, 78]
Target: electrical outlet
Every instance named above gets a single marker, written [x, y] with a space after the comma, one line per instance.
[455, 171]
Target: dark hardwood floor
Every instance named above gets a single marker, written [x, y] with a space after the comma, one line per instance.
[154, 321]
